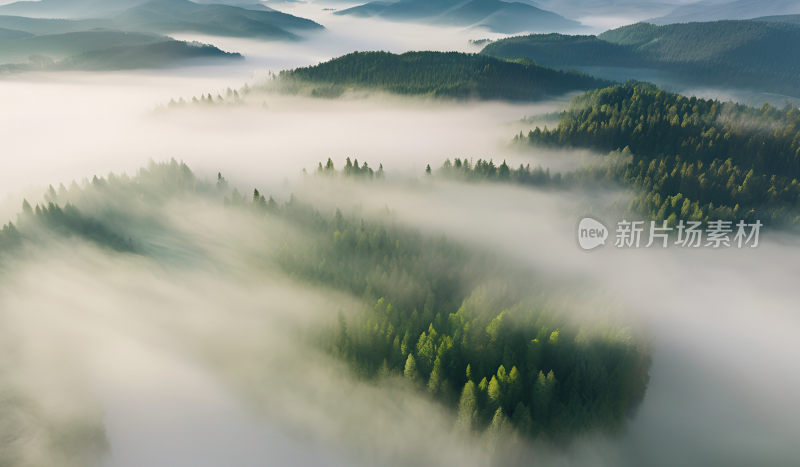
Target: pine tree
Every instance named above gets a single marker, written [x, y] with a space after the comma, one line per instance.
[522, 419]
[435, 381]
[26, 208]
[410, 371]
[467, 408]
[495, 394]
[384, 372]
[514, 391]
[499, 430]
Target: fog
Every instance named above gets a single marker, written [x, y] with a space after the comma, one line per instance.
[196, 356]
[723, 323]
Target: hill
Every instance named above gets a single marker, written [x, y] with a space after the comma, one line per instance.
[40, 26]
[505, 17]
[67, 8]
[168, 16]
[366, 10]
[12, 34]
[440, 74]
[404, 10]
[171, 16]
[737, 9]
[164, 54]
[791, 19]
[753, 54]
[494, 15]
[159, 55]
[686, 158]
[58, 46]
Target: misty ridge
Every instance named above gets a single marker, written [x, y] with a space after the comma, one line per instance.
[748, 54]
[490, 15]
[132, 39]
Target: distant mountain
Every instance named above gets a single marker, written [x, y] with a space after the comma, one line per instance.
[437, 74]
[753, 54]
[791, 19]
[58, 46]
[366, 10]
[165, 54]
[494, 15]
[405, 10]
[175, 16]
[159, 55]
[12, 34]
[505, 17]
[67, 8]
[39, 26]
[720, 10]
[170, 16]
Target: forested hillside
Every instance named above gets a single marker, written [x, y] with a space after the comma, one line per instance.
[505, 350]
[727, 9]
[440, 74]
[793, 19]
[754, 54]
[687, 158]
[494, 343]
[159, 55]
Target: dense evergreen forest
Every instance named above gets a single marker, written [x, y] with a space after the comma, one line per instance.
[440, 74]
[506, 350]
[686, 158]
[495, 344]
[753, 54]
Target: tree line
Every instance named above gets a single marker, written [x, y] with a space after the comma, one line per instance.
[686, 158]
[438, 74]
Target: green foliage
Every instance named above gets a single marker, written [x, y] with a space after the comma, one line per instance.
[445, 316]
[439, 74]
[686, 158]
[483, 170]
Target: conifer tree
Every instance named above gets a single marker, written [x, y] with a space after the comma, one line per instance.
[467, 408]
[435, 381]
[410, 371]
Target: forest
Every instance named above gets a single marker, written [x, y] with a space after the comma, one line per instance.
[501, 347]
[684, 157]
[439, 74]
[754, 54]
[494, 343]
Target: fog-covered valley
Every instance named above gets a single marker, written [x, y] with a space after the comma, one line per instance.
[161, 313]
